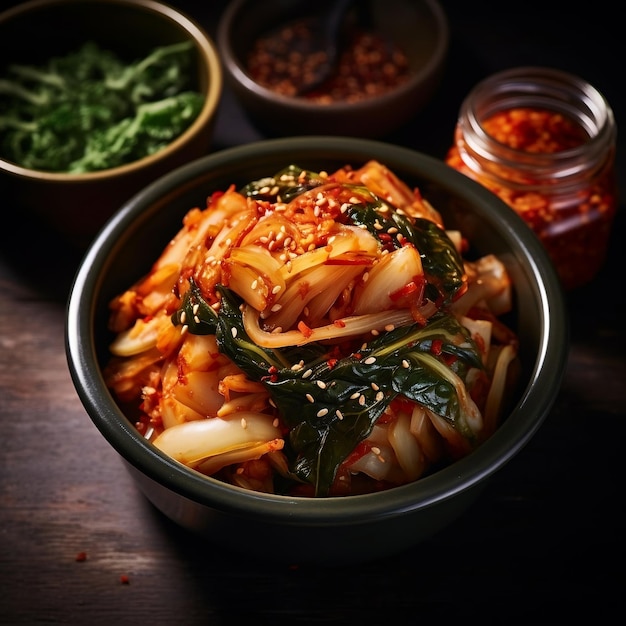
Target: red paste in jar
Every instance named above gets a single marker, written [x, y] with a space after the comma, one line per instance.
[573, 226]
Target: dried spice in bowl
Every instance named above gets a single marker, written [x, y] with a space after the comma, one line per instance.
[544, 141]
[368, 65]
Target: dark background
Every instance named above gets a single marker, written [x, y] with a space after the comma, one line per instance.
[544, 544]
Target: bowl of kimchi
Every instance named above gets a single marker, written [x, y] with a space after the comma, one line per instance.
[323, 339]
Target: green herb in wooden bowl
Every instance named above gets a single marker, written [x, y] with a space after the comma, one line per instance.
[89, 110]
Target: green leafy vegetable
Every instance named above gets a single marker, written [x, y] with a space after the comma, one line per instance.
[331, 405]
[286, 184]
[90, 111]
[442, 263]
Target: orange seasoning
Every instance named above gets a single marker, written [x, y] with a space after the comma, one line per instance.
[530, 136]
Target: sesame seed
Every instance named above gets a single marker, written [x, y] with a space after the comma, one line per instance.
[275, 422]
[355, 395]
[307, 373]
[276, 307]
[339, 414]
[276, 289]
[195, 309]
[376, 450]
[196, 319]
[322, 412]
[310, 398]
[321, 384]
[233, 332]
[183, 317]
[362, 400]
[379, 396]
[389, 327]
[405, 364]
[244, 424]
[254, 284]
[375, 387]
[370, 360]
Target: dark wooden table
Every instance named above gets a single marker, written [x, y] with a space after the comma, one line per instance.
[543, 544]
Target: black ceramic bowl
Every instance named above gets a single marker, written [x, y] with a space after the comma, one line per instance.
[76, 205]
[330, 530]
[418, 27]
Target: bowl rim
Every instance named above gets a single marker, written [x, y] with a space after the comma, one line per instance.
[210, 59]
[239, 75]
[460, 476]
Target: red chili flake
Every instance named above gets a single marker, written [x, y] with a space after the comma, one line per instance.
[339, 324]
[403, 292]
[273, 374]
[437, 347]
[332, 363]
[81, 556]
[449, 359]
[124, 579]
[304, 329]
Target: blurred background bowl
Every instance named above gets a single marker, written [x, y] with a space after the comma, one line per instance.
[328, 530]
[77, 205]
[418, 27]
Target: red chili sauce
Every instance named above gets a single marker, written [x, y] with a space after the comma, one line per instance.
[574, 226]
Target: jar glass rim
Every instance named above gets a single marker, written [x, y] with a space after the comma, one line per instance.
[539, 88]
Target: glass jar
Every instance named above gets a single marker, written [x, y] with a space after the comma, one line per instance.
[544, 141]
